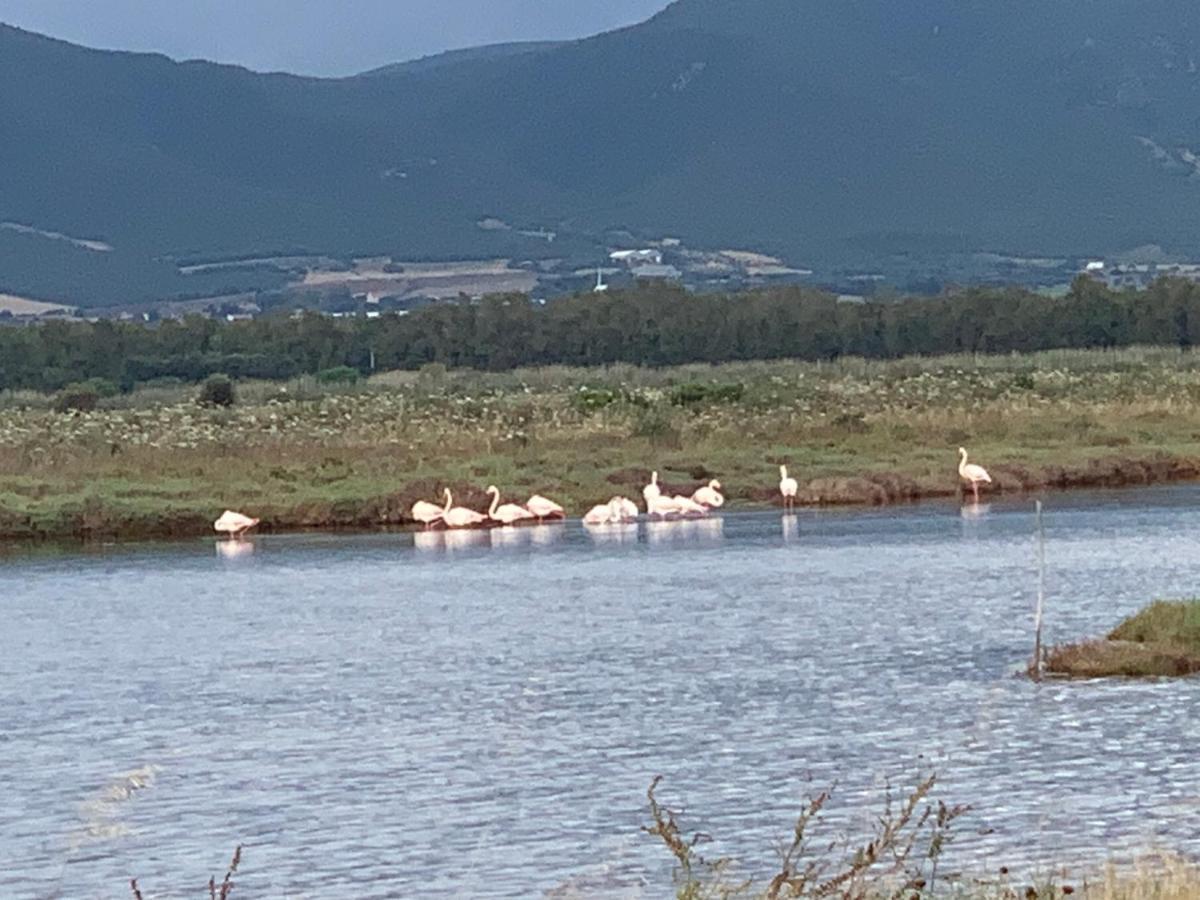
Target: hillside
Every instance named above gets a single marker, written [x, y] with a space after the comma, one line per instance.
[830, 133]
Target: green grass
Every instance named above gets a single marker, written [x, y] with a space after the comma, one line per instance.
[305, 454]
[1163, 640]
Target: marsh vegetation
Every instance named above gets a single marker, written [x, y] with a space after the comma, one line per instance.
[354, 454]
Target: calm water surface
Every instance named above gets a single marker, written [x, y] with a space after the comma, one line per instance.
[480, 715]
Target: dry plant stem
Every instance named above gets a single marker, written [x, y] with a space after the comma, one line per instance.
[907, 841]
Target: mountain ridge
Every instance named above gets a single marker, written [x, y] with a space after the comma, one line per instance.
[830, 134]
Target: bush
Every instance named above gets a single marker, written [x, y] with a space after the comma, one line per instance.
[658, 426]
[589, 400]
[217, 390]
[694, 394]
[80, 397]
[102, 386]
[339, 375]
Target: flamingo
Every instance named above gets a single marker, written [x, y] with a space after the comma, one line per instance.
[661, 506]
[651, 490]
[509, 513]
[544, 509]
[710, 495]
[234, 524]
[689, 507]
[460, 516]
[426, 513]
[600, 515]
[975, 475]
[628, 510]
[788, 487]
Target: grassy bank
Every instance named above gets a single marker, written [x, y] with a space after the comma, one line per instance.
[303, 455]
[1163, 640]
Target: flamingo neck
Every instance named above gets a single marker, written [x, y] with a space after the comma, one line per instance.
[962, 466]
[449, 502]
[783, 471]
[495, 502]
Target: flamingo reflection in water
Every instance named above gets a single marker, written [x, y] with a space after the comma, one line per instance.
[676, 531]
[235, 549]
[613, 533]
[791, 528]
[546, 535]
[508, 538]
[973, 512]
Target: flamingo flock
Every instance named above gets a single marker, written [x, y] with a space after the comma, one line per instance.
[617, 511]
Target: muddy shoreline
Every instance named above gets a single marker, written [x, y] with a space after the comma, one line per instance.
[94, 520]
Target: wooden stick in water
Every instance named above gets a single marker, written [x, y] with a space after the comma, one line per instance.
[1036, 667]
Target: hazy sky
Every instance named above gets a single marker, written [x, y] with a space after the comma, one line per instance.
[317, 37]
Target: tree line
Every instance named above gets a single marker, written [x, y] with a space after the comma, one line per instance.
[655, 325]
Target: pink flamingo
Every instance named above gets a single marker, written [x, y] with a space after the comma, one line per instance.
[426, 513]
[651, 490]
[661, 507]
[627, 509]
[460, 516]
[689, 507]
[600, 515]
[710, 495]
[544, 509]
[234, 524]
[509, 513]
[971, 473]
[788, 487]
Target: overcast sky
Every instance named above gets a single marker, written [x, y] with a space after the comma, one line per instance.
[316, 37]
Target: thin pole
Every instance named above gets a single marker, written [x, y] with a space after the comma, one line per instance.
[1036, 668]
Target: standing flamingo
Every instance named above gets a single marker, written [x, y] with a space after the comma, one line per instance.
[651, 490]
[973, 474]
[426, 513]
[544, 509]
[234, 524]
[460, 516]
[788, 487]
[710, 495]
[509, 513]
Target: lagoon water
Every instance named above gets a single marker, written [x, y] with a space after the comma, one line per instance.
[480, 715]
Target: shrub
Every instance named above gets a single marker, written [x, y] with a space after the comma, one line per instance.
[80, 397]
[589, 400]
[339, 375]
[694, 394]
[217, 390]
[658, 426]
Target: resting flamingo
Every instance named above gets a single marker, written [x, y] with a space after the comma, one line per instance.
[628, 509]
[508, 513]
[426, 513]
[788, 487]
[689, 507]
[661, 506]
[460, 516]
[651, 490]
[234, 524]
[971, 473]
[544, 509]
[710, 495]
[600, 515]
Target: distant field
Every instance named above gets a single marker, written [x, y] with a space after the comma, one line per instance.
[22, 306]
[305, 455]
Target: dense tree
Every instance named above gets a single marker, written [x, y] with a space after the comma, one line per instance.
[652, 325]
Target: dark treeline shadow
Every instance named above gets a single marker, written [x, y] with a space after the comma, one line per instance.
[652, 325]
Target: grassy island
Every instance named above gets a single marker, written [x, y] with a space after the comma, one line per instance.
[310, 454]
[1163, 640]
